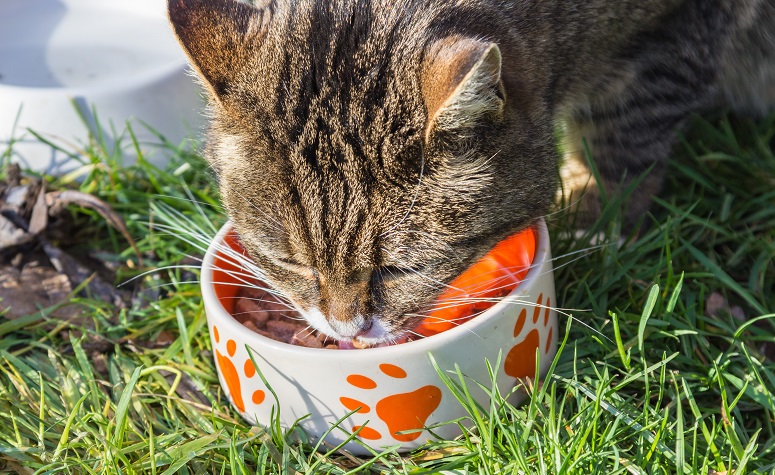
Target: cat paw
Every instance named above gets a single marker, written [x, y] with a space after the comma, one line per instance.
[398, 412]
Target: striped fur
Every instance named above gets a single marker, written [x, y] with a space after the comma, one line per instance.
[370, 150]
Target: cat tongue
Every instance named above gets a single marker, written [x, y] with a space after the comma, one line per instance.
[359, 345]
[353, 345]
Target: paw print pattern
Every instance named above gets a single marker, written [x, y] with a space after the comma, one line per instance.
[232, 376]
[400, 412]
[521, 359]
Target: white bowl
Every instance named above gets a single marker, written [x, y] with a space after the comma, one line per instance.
[62, 59]
[396, 387]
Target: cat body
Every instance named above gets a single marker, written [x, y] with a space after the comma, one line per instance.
[369, 151]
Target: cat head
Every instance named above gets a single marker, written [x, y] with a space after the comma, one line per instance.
[365, 157]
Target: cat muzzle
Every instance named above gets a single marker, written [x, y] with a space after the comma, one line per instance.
[353, 327]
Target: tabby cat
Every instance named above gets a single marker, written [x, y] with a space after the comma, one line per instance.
[368, 151]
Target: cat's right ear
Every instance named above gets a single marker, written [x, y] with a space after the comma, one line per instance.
[461, 85]
[218, 37]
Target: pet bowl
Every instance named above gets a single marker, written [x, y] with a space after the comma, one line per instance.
[394, 391]
[62, 60]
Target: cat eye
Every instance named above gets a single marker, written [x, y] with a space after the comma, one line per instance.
[299, 268]
[290, 262]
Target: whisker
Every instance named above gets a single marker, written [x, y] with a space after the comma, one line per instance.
[418, 335]
[509, 300]
[420, 274]
[263, 213]
[178, 220]
[229, 284]
[191, 199]
[414, 198]
[562, 209]
[252, 299]
[562, 311]
[250, 312]
[431, 237]
[308, 327]
[199, 233]
[453, 322]
[159, 269]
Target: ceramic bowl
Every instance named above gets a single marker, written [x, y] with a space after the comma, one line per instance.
[61, 60]
[395, 391]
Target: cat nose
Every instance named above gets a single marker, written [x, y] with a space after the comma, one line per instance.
[350, 328]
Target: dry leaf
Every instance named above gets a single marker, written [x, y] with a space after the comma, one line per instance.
[58, 200]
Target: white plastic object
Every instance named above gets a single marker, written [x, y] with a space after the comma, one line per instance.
[62, 60]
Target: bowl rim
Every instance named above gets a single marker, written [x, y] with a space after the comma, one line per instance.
[140, 79]
[223, 318]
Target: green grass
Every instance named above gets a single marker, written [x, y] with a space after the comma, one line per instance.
[646, 382]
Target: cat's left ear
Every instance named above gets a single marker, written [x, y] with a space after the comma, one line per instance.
[220, 38]
[461, 85]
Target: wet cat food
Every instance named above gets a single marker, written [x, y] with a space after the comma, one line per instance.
[263, 313]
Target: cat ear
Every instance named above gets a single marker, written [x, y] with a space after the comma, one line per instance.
[216, 36]
[461, 85]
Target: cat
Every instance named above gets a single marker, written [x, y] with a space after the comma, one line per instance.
[369, 151]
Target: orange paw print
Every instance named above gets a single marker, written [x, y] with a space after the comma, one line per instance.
[232, 376]
[521, 359]
[399, 412]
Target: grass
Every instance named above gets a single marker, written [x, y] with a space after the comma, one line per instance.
[649, 380]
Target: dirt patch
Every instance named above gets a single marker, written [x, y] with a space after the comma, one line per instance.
[37, 271]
